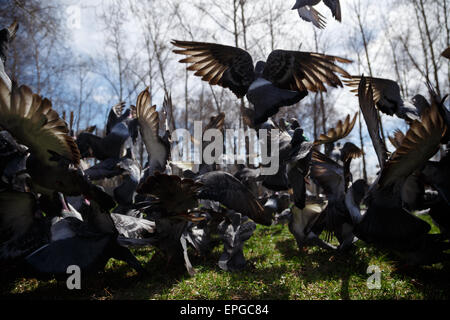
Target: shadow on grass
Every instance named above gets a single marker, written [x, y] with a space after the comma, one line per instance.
[116, 279]
[261, 280]
[317, 264]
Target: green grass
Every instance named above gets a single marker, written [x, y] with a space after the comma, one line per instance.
[276, 270]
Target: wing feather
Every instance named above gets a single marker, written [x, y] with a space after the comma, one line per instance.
[340, 131]
[328, 174]
[367, 106]
[225, 188]
[227, 66]
[33, 122]
[419, 144]
[386, 92]
[297, 70]
[148, 119]
[446, 53]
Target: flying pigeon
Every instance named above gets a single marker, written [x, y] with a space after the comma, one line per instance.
[282, 80]
[388, 100]
[386, 223]
[306, 11]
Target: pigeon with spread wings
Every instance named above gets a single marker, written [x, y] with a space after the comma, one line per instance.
[225, 188]
[340, 131]
[115, 116]
[282, 80]
[388, 99]
[306, 11]
[32, 122]
[386, 222]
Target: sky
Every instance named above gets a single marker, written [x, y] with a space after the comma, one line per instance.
[88, 39]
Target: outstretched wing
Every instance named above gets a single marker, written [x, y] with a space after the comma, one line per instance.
[335, 8]
[340, 131]
[176, 195]
[31, 120]
[397, 139]
[113, 116]
[148, 119]
[226, 66]
[310, 14]
[301, 71]
[328, 174]
[386, 93]
[446, 53]
[420, 143]
[350, 151]
[223, 187]
[367, 106]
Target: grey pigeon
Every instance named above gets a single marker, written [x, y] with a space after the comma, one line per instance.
[282, 80]
[386, 223]
[234, 231]
[88, 243]
[306, 11]
[388, 99]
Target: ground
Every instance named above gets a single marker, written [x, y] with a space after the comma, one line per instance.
[276, 270]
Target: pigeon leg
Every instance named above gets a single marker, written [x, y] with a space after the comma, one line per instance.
[124, 254]
[315, 240]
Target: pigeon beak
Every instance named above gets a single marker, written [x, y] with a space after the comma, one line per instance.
[296, 6]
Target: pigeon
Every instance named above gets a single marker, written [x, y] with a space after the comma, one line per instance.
[225, 188]
[386, 223]
[118, 130]
[339, 216]
[301, 225]
[30, 119]
[388, 100]
[234, 231]
[88, 242]
[282, 80]
[306, 11]
[158, 148]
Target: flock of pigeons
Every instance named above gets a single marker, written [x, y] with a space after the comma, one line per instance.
[56, 210]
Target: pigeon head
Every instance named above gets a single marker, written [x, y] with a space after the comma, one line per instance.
[298, 135]
[259, 68]
[298, 4]
[294, 124]
[420, 102]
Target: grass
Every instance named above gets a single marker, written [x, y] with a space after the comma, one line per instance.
[276, 270]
